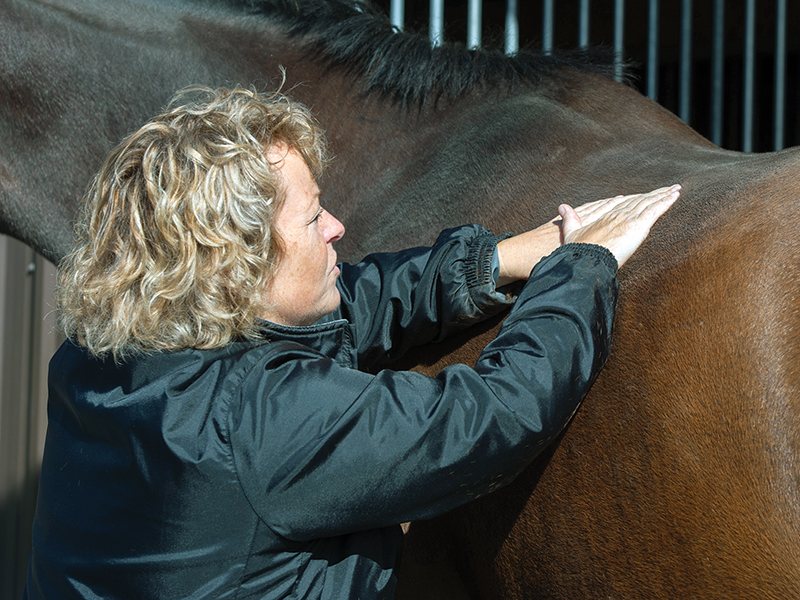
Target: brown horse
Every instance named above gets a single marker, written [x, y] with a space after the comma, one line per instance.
[679, 476]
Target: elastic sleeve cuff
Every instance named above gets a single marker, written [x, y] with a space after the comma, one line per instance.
[601, 253]
[482, 272]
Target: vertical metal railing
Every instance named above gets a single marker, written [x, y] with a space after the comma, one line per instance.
[474, 23]
[397, 13]
[436, 22]
[685, 86]
[685, 100]
[652, 49]
[619, 37]
[584, 19]
[548, 21]
[717, 71]
[512, 27]
[748, 77]
[780, 74]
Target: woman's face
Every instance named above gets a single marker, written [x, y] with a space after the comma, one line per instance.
[304, 287]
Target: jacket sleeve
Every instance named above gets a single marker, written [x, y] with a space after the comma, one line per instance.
[333, 450]
[404, 299]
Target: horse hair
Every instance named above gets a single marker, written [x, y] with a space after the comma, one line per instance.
[358, 37]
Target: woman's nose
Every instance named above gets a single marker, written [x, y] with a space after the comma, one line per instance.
[334, 230]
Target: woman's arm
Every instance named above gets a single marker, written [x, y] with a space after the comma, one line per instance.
[605, 222]
[324, 450]
[398, 300]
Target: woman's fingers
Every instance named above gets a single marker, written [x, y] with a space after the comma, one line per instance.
[592, 211]
[620, 224]
[637, 204]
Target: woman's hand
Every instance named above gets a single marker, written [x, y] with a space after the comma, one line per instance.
[620, 224]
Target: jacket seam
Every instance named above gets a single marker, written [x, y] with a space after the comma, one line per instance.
[236, 390]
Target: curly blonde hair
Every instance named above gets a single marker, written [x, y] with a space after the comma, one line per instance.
[176, 242]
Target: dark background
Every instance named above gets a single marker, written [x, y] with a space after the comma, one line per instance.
[601, 32]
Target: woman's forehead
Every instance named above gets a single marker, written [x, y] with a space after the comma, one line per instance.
[301, 192]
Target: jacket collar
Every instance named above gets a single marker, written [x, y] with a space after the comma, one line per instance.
[330, 336]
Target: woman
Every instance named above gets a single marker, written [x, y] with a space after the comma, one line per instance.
[210, 434]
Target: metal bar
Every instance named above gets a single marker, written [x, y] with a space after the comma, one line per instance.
[652, 51]
[436, 25]
[397, 13]
[474, 24]
[619, 37]
[512, 27]
[717, 72]
[583, 24]
[749, 75]
[547, 25]
[780, 72]
[685, 92]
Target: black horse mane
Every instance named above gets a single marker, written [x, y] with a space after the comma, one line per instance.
[356, 36]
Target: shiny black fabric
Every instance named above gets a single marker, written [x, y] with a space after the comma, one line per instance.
[275, 469]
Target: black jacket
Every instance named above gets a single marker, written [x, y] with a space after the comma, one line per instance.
[275, 469]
